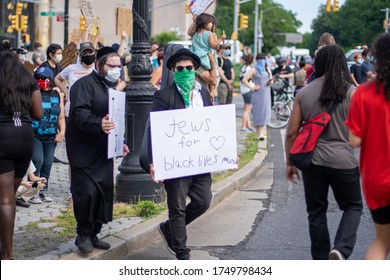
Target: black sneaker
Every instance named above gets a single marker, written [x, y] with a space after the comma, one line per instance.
[166, 237]
[21, 203]
[84, 244]
[100, 244]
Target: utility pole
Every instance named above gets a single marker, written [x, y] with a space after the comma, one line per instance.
[256, 29]
[66, 23]
[387, 10]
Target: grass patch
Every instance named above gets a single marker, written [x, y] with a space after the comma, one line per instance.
[148, 209]
[251, 145]
[67, 221]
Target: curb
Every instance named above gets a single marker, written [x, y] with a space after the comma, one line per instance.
[136, 237]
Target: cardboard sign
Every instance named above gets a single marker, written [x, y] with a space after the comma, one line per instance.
[69, 55]
[199, 6]
[87, 11]
[29, 66]
[193, 141]
[124, 21]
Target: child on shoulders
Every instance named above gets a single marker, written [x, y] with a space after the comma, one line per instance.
[204, 41]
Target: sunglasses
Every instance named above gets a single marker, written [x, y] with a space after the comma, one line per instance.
[181, 68]
[40, 77]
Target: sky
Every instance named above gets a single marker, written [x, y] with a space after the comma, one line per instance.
[306, 10]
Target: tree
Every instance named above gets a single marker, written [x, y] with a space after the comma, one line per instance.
[163, 38]
[275, 22]
[357, 23]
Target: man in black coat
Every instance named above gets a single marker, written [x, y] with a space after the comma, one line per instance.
[185, 93]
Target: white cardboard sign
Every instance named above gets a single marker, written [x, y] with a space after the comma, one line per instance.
[116, 111]
[200, 6]
[193, 141]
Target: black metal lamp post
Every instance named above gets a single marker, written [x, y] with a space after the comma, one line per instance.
[133, 184]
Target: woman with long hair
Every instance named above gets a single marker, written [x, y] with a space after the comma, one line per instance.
[261, 98]
[246, 93]
[369, 125]
[333, 163]
[20, 100]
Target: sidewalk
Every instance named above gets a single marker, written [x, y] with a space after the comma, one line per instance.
[125, 235]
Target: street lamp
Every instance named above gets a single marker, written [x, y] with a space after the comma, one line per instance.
[133, 184]
[260, 29]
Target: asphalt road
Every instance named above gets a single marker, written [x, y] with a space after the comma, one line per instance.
[266, 219]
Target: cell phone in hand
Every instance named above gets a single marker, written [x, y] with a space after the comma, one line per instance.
[35, 184]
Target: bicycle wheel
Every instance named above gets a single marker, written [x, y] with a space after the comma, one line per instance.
[280, 114]
[60, 155]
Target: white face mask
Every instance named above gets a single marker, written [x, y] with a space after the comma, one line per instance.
[113, 74]
[58, 58]
[360, 60]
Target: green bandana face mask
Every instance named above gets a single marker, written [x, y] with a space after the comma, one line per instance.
[185, 81]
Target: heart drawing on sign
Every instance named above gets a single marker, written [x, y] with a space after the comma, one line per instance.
[217, 142]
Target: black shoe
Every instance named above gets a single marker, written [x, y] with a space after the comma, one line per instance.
[20, 202]
[183, 257]
[166, 237]
[100, 244]
[84, 244]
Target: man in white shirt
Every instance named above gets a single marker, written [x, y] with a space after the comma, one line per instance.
[76, 71]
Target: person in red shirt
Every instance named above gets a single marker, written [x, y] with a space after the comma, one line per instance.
[369, 125]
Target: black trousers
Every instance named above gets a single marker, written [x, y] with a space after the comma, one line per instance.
[198, 189]
[345, 185]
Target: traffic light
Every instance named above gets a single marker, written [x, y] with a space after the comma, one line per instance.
[188, 8]
[243, 21]
[14, 19]
[328, 6]
[18, 9]
[82, 23]
[386, 25]
[23, 23]
[335, 6]
[234, 36]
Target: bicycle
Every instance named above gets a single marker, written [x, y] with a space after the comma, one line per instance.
[281, 111]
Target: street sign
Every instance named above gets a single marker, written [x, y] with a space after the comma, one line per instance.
[49, 14]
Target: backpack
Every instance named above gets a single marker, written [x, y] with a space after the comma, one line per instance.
[302, 150]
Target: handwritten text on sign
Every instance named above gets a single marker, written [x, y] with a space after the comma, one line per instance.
[193, 141]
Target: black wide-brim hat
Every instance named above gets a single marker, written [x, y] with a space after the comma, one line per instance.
[183, 52]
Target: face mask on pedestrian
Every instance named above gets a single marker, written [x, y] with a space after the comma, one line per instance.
[113, 75]
[370, 58]
[58, 58]
[226, 52]
[43, 84]
[185, 80]
[40, 49]
[88, 59]
[360, 60]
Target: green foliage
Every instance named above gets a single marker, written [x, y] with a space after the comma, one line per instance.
[275, 21]
[357, 23]
[163, 38]
[147, 208]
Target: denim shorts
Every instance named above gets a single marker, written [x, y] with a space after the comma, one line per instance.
[247, 97]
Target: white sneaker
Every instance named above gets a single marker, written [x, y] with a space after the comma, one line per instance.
[44, 197]
[35, 199]
[336, 255]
